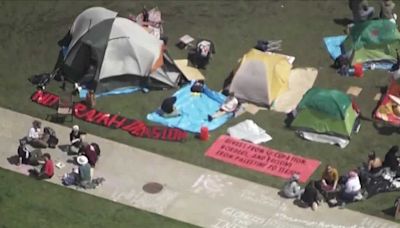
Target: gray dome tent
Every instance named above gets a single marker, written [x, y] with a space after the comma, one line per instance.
[107, 52]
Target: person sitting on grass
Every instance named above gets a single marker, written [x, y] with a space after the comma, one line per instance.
[47, 169]
[292, 189]
[168, 108]
[36, 138]
[361, 10]
[352, 189]
[374, 163]
[391, 159]
[310, 196]
[330, 179]
[230, 105]
[387, 8]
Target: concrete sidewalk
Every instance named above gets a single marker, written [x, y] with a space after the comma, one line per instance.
[191, 194]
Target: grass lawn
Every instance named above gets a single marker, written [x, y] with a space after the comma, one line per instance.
[30, 31]
[26, 202]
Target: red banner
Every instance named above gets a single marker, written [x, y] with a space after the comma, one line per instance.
[262, 159]
[136, 128]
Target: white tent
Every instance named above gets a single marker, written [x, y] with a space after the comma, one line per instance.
[109, 52]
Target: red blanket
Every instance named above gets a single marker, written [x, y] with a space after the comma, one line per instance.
[262, 159]
[384, 111]
[136, 128]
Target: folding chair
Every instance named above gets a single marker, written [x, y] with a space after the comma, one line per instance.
[64, 109]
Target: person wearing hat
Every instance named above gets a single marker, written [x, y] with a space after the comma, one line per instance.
[84, 171]
[292, 189]
[76, 139]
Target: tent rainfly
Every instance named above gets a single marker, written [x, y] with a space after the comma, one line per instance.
[108, 52]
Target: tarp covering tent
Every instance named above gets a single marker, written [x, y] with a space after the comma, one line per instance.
[109, 52]
[372, 41]
[260, 77]
[327, 113]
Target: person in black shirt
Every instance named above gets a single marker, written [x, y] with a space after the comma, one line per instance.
[75, 138]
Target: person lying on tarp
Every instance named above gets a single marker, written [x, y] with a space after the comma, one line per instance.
[230, 105]
[168, 108]
[197, 87]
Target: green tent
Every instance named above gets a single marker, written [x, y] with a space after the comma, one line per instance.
[372, 41]
[325, 111]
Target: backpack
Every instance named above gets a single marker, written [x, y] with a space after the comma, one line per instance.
[53, 140]
[24, 154]
[96, 148]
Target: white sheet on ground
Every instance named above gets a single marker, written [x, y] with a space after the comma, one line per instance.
[300, 80]
[322, 138]
[249, 131]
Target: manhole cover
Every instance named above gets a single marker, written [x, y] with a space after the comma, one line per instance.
[152, 187]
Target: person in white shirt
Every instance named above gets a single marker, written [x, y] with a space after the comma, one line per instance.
[230, 105]
[36, 138]
[352, 188]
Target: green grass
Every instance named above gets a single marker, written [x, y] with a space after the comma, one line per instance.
[26, 202]
[28, 46]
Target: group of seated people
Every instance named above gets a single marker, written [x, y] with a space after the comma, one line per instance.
[29, 153]
[88, 155]
[339, 190]
[230, 105]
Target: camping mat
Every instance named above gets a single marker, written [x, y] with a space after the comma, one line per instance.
[194, 109]
[262, 159]
[384, 111]
[332, 45]
[189, 72]
[125, 90]
[300, 81]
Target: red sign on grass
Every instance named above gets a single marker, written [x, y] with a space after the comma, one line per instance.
[262, 159]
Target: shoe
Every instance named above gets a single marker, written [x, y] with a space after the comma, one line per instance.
[210, 118]
[342, 205]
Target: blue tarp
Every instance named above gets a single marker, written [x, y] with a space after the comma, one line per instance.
[125, 90]
[194, 109]
[332, 44]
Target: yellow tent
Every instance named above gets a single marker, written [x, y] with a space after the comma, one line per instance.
[261, 77]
